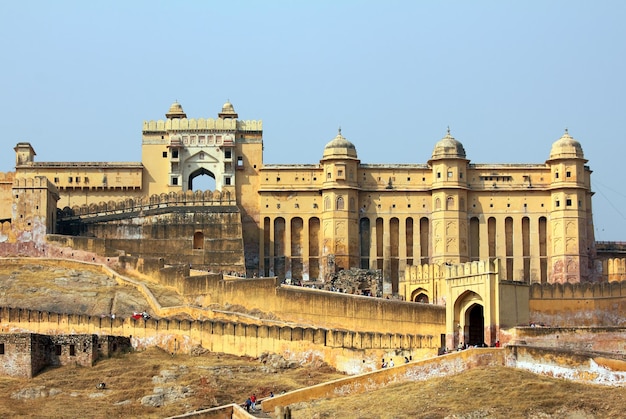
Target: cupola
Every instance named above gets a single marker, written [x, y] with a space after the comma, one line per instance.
[176, 111]
[448, 147]
[228, 111]
[566, 148]
[339, 147]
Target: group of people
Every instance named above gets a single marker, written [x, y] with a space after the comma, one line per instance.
[250, 403]
[390, 364]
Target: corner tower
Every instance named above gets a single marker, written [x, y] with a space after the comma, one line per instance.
[340, 227]
[449, 197]
[571, 225]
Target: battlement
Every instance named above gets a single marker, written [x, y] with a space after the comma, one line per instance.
[582, 290]
[41, 182]
[202, 124]
[425, 273]
[173, 199]
[6, 177]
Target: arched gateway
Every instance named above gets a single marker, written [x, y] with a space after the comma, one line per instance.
[478, 301]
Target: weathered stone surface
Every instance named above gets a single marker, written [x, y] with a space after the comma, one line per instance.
[356, 281]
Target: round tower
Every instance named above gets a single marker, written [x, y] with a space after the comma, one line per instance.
[449, 197]
[571, 228]
[339, 206]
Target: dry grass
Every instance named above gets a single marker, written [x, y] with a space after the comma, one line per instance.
[218, 379]
[205, 380]
[215, 379]
[495, 392]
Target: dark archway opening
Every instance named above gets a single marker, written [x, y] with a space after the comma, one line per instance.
[201, 180]
[476, 326]
[421, 298]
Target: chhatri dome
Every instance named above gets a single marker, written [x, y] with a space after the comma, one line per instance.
[176, 111]
[448, 147]
[339, 147]
[228, 111]
[566, 148]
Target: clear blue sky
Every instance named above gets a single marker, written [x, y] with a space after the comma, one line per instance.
[77, 79]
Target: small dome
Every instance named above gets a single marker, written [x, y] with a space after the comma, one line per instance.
[448, 147]
[228, 108]
[228, 111]
[566, 148]
[339, 147]
[176, 111]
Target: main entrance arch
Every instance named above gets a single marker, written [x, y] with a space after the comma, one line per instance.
[475, 325]
[469, 319]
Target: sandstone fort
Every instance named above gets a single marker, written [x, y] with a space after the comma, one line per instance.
[466, 253]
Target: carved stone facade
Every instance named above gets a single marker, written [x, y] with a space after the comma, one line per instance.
[308, 221]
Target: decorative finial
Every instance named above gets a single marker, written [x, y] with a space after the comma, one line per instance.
[339, 129]
[448, 130]
[566, 132]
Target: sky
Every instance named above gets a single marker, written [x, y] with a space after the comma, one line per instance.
[79, 78]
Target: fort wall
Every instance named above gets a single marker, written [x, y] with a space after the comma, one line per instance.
[581, 304]
[323, 308]
[575, 339]
[347, 351]
[203, 229]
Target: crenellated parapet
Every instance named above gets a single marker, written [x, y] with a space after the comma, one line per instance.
[7, 177]
[428, 272]
[416, 274]
[33, 182]
[172, 199]
[219, 124]
[578, 291]
[471, 269]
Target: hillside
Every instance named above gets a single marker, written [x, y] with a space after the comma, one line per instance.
[153, 383]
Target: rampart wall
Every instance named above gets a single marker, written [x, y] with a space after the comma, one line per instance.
[582, 304]
[198, 228]
[347, 351]
[302, 305]
[142, 204]
[575, 339]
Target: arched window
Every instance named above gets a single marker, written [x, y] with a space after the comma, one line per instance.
[327, 204]
[340, 204]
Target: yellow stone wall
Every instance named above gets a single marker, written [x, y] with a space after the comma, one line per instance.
[305, 221]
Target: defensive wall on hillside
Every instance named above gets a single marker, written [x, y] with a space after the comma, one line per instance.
[347, 351]
[323, 308]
